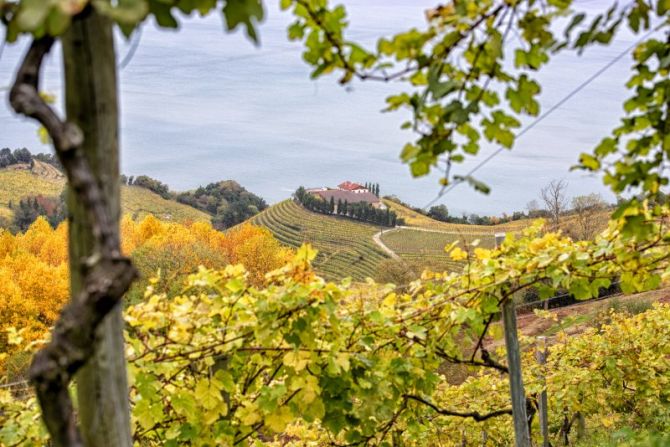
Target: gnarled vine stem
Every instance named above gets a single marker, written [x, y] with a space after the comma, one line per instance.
[107, 274]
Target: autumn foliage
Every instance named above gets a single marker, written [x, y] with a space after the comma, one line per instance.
[34, 273]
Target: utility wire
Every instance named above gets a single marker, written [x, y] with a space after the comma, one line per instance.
[133, 48]
[3, 44]
[546, 114]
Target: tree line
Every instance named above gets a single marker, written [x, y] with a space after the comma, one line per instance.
[29, 208]
[10, 157]
[227, 201]
[372, 187]
[362, 211]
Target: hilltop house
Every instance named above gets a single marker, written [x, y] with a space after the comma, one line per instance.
[352, 187]
[348, 192]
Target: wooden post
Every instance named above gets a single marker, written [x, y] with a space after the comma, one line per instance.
[89, 61]
[521, 434]
[541, 356]
[581, 426]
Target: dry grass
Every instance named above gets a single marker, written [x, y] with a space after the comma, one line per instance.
[138, 202]
[414, 219]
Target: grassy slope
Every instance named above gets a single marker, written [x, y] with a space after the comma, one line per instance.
[345, 247]
[414, 219]
[138, 202]
[15, 184]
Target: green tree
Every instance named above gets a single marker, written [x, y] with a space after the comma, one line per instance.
[439, 212]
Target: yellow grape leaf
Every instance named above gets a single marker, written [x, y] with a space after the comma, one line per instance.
[390, 300]
[43, 135]
[297, 360]
[305, 253]
[457, 254]
[342, 360]
[545, 314]
[278, 420]
[14, 337]
[248, 414]
[47, 97]
[208, 394]
[482, 253]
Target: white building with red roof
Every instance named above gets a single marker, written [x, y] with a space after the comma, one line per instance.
[349, 192]
[352, 187]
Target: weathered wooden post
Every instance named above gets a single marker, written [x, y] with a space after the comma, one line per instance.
[541, 356]
[517, 392]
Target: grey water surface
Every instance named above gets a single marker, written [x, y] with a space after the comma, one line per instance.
[200, 105]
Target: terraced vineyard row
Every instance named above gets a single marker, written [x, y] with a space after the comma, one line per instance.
[427, 247]
[345, 247]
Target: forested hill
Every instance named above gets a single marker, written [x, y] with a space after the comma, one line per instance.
[32, 185]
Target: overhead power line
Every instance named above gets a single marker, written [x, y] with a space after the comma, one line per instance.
[546, 114]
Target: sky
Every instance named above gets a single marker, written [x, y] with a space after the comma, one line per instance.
[201, 105]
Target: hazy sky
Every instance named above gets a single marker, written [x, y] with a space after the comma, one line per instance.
[199, 105]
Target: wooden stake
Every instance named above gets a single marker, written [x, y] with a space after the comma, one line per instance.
[541, 356]
[521, 433]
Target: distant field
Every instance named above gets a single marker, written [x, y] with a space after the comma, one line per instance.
[138, 202]
[427, 247]
[345, 247]
[414, 219]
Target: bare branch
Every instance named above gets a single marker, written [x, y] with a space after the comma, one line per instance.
[466, 414]
[553, 196]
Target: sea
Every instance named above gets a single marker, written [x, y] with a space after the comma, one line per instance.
[201, 104]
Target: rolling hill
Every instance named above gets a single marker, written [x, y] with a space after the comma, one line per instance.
[136, 201]
[346, 247]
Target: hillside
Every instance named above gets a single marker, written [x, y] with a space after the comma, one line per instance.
[136, 201]
[424, 246]
[414, 219]
[346, 247]
[18, 183]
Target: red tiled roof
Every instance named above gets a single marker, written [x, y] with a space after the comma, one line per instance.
[350, 186]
